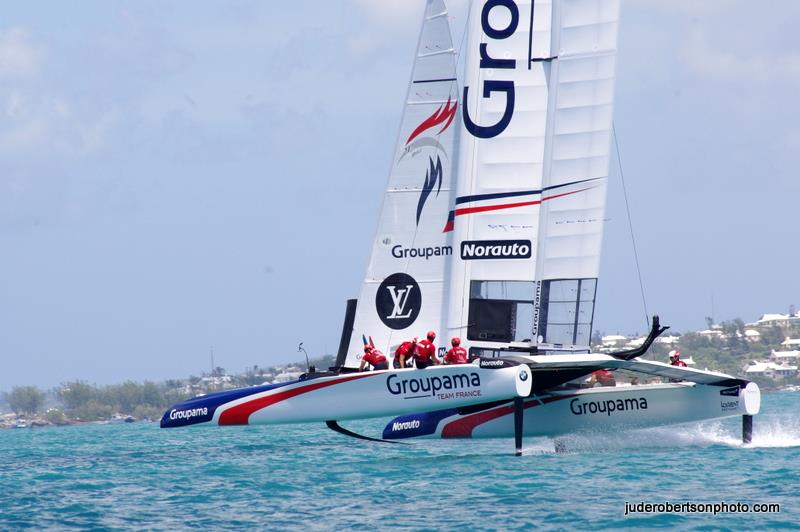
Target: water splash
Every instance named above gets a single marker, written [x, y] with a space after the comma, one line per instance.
[767, 432]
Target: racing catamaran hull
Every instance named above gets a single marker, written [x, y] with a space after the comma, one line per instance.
[586, 410]
[353, 396]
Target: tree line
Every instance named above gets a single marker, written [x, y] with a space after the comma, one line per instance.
[81, 401]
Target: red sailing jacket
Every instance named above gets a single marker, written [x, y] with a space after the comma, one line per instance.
[375, 357]
[403, 350]
[457, 355]
[425, 351]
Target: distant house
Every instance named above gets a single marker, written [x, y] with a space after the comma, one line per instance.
[613, 340]
[752, 335]
[777, 320]
[787, 356]
[287, 376]
[791, 342]
[668, 340]
[770, 369]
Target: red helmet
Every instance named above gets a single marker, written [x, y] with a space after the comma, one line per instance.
[456, 341]
[674, 354]
[367, 348]
[431, 335]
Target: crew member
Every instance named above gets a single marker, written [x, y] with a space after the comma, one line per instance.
[373, 357]
[602, 377]
[404, 354]
[425, 353]
[675, 358]
[457, 354]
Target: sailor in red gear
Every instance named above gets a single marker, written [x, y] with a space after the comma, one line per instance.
[675, 359]
[602, 377]
[457, 354]
[404, 353]
[374, 358]
[425, 353]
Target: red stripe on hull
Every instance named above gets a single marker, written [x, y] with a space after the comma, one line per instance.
[462, 428]
[240, 414]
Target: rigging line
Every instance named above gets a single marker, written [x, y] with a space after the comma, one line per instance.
[630, 224]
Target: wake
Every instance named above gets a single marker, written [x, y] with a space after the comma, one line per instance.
[768, 432]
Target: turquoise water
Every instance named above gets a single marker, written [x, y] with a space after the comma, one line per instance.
[307, 477]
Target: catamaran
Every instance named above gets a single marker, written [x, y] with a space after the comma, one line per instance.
[491, 231]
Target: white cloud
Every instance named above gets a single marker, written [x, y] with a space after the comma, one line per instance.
[693, 8]
[722, 60]
[389, 11]
[19, 58]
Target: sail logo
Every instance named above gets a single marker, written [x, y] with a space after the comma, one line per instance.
[444, 114]
[497, 66]
[495, 249]
[398, 301]
[434, 174]
[432, 177]
[400, 252]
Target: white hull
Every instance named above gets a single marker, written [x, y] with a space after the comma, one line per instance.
[584, 410]
[354, 396]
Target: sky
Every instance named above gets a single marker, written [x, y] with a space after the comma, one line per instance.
[187, 176]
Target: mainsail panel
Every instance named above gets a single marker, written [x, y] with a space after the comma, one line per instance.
[402, 295]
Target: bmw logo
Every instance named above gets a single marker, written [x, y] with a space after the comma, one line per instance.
[523, 376]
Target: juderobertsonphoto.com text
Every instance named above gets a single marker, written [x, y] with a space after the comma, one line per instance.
[700, 508]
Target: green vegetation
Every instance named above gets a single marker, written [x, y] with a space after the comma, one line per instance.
[87, 402]
[80, 401]
[730, 351]
[26, 400]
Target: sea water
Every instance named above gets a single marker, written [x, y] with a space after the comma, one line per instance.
[308, 477]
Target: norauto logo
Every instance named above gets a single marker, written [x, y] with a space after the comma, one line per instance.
[495, 249]
[405, 425]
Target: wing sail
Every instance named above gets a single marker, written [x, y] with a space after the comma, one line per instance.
[533, 162]
[402, 294]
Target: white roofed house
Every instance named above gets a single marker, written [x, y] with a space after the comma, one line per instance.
[711, 333]
[778, 320]
[668, 340]
[752, 335]
[787, 356]
[791, 343]
[614, 340]
[770, 369]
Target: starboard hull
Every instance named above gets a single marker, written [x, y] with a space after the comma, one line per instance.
[586, 410]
